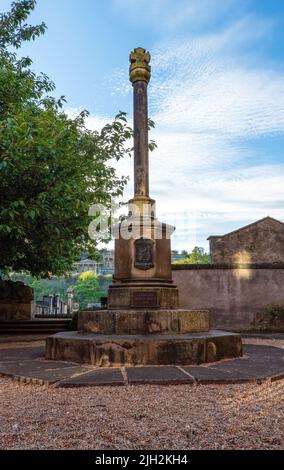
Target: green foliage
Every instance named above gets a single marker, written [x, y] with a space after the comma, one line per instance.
[88, 287]
[270, 318]
[52, 169]
[41, 287]
[275, 312]
[13, 31]
[185, 253]
[197, 256]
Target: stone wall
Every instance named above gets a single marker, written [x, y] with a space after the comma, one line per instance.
[239, 297]
[15, 301]
[260, 242]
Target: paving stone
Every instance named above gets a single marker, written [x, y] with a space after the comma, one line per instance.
[42, 371]
[255, 350]
[252, 369]
[157, 375]
[211, 375]
[96, 377]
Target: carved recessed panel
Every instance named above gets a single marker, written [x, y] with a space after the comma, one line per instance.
[144, 258]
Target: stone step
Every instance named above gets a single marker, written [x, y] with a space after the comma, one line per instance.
[46, 331]
[34, 326]
[34, 323]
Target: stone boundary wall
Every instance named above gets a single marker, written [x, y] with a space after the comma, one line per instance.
[239, 297]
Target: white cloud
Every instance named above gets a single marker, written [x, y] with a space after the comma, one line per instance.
[170, 15]
[210, 99]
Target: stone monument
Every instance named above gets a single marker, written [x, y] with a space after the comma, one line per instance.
[16, 301]
[143, 324]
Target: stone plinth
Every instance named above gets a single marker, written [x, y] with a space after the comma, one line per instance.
[144, 278]
[144, 245]
[152, 349]
[142, 296]
[142, 322]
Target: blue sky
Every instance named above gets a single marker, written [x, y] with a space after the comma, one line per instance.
[216, 95]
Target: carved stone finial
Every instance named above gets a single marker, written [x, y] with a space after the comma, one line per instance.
[139, 65]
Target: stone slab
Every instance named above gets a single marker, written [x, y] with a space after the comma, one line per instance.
[209, 375]
[265, 352]
[152, 349]
[95, 377]
[40, 372]
[143, 321]
[163, 375]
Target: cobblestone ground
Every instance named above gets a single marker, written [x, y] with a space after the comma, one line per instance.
[247, 416]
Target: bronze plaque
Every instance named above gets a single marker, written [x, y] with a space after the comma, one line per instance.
[144, 253]
[144, 299]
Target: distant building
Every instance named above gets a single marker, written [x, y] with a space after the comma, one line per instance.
[104, 266]
[259, 242]
[87, 265]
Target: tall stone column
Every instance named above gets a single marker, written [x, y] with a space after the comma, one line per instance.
[140, 73]
[143, 276]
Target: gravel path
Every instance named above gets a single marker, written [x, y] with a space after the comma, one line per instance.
[142, 417]
[247, 416]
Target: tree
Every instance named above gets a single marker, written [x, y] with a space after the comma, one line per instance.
[52, 169]
[87, 289]
[197, 256]
[185, 253]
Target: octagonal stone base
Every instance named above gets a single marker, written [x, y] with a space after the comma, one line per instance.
[152, 349]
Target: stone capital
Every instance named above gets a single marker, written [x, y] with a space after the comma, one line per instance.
[140, 69]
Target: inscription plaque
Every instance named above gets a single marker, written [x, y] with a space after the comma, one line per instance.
[144, 299]
[144, 253]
